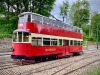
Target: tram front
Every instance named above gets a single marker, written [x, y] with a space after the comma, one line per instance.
[21, 46]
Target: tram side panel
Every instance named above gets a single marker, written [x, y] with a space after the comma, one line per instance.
[48, 50]
[27, 50]
[44, 29]
[75, 49]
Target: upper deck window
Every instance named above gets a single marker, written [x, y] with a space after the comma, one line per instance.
[36, 18]
[24, 18]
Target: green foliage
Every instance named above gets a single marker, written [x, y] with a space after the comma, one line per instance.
[96, 72]
[79, 13]
[7, 27]
[9, 10]
[95, 25]
[64, 9]
[81, 17]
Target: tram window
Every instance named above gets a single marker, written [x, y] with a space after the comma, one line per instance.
[60, 41]
[71, 42]
[75, 43]
[46, 41]
[53, 42]
[36, 41]
[29, 18]
[23, 18]
[65, 42]
[25, 37]
[14, 37]
[36, 18]
[81, 43]
[19, 36]
[78, 43]
[46, 21]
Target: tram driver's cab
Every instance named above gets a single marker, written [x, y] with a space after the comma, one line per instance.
[21, 36]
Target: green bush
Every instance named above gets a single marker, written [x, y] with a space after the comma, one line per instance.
[7, 27]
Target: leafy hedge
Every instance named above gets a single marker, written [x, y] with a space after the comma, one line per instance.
[7, 27]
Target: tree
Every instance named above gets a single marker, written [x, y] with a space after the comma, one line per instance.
[79, 12]
[11, 8]
[95, 25]
[64, 10]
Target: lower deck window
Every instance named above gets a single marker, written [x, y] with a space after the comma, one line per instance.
[36, 41]
[53, 42]
[46, 41]
[71, 42]
[60, 41]
[75, 43]
[81, 43]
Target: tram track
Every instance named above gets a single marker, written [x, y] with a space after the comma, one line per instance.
[76, 68]
[44, 66]
[4, 53]
[36, 70]
[79, 67]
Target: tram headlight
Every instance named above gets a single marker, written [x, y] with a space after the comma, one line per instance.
[12, 49]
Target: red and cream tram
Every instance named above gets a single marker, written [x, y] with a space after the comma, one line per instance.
[39, 37]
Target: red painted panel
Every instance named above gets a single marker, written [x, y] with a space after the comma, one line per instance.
[50, 30]
[22, 49]
[47, 50]
[28, 50]
[75, 48]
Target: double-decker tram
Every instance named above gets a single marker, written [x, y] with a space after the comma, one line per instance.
[41, 38]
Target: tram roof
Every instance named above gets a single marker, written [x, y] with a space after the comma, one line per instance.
[20, 30]
[29, 13]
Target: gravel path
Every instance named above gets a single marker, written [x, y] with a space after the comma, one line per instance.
[75, 65]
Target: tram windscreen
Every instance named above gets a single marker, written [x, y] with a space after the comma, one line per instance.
[25, 37]
[14, 37]
[21, 37]
[24, 18]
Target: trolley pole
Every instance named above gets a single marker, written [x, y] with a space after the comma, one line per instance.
[97, 36]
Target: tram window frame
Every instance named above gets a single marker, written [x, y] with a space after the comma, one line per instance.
[38, 41]
[25, 38]
[60, 42]
[78, 43]
[54, 42]
[37, 18]
[14, 36]
[20, 38]
[75, 43]
[22, 18]
[46, 21]
[46, 41]
[63, 43]
[71, 42]
[81, 43]
[29, 18]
